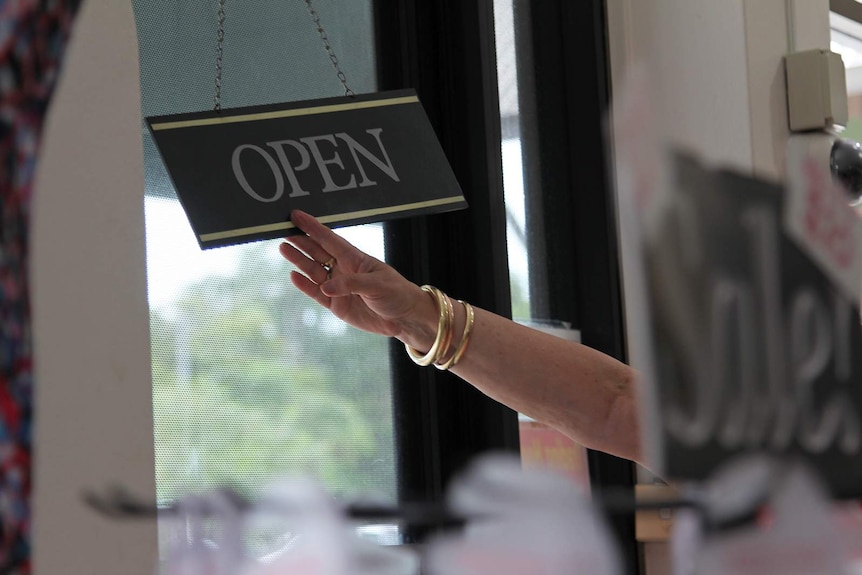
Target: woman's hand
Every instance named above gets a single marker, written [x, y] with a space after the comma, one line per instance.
[359, 289]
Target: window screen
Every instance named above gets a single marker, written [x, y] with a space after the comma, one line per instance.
[251, 380]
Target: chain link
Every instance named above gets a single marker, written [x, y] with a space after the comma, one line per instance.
[219, 53]
[329, 51]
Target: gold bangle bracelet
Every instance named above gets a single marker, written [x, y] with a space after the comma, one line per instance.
[465, 338]
[443, 339]
[449, 336]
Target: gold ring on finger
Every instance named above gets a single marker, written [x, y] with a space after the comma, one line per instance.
[328, 265]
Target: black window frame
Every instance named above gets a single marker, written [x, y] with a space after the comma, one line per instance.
[446, 51]
[847, 8]
[568, 156]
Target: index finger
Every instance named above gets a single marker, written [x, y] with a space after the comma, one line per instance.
[334, 244]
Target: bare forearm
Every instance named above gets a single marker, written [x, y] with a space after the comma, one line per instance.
[585, 394]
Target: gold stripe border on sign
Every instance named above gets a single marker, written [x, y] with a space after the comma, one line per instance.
[284, 113]
[334, 218]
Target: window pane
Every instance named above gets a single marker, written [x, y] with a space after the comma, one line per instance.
[847, 41]
[541, 446]
[513, 172]
[251, 379]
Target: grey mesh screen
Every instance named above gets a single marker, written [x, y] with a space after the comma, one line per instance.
[251, 380]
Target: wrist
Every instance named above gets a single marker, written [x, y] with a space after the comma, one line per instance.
[431, 335]
[419, 328]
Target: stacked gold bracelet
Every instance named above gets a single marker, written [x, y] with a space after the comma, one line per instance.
[440, 351]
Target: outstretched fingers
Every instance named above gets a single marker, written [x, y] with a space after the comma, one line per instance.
[310, 289]
[311, 268]
[332, 243]
[309, 248]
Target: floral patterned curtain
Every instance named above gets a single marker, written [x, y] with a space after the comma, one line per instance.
[33, 36]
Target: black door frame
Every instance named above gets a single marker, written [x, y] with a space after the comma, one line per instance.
[446, 51]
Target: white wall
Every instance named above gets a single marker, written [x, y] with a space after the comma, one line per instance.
[91, 324]
[718, 68]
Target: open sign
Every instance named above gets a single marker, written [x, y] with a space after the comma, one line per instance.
[238, 173]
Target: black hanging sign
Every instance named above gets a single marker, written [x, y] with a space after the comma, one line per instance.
[350, 160]
[752, 342]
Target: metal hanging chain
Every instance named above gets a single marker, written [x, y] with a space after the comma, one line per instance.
[329, 51]
[219, 53]
[323, 36]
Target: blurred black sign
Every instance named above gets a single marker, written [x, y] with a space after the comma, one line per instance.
[239, 172]
[753, 347]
